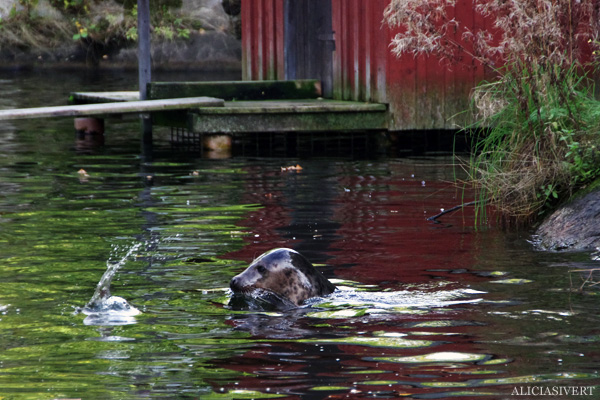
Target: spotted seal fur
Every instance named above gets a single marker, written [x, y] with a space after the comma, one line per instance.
[286, 273]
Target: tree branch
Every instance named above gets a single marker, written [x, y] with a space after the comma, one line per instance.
[458, 207]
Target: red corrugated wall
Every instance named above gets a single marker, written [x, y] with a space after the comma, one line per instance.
[262, 40]
[421, 92]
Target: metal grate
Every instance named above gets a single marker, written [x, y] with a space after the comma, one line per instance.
[184, 140]
[290, 144]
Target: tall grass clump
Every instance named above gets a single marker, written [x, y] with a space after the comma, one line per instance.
[539, 145]
[537, 121]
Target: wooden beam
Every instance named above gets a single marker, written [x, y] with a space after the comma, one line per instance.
[104, 97]
[293, 107]
[237, 90]
[127, 107]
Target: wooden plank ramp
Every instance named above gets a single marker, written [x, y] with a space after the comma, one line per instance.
[110, 97]
[119, 107]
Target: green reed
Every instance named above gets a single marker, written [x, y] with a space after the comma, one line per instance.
[539, 129]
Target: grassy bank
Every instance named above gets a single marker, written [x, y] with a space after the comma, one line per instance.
[540, 142]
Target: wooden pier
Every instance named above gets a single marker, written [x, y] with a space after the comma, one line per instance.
[197, 111]
[311, 115]
[268, 106]
[250, 107]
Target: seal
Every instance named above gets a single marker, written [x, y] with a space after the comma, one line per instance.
[284, 272]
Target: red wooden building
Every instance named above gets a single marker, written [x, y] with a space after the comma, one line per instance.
[346, 45]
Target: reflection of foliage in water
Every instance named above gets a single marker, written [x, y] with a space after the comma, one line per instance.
[62, 231]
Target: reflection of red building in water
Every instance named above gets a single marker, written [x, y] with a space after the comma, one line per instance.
[385, 233]
[369, 228]
[264, 188]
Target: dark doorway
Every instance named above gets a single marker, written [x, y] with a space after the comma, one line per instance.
[309, 42]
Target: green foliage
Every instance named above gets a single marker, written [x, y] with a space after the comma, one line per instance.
[84, 21]
[72, 7]
[23, 12]
[168, 26]
[154, 4]
[132, 34]
[584, 158]
[541, 140]
[183, 33]
[165, 23]
[165, 32]
[83, 32]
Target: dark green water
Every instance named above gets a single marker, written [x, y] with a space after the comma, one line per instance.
[432, 310]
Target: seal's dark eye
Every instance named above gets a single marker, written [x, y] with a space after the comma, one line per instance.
[261, 269]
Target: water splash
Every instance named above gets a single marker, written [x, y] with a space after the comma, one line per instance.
[105, 309]
[349, 296]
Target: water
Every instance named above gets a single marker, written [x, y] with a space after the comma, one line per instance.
[105, 309]
[424, 310]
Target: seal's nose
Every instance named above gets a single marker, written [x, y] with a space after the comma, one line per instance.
[234, 284]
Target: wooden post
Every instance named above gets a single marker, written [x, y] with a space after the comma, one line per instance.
[144, 60]
[144, 67]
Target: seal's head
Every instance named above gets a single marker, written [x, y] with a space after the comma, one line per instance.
[284, 272]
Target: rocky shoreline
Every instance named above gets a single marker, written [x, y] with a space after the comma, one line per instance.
[190, 34]
[211, 52]
[572, 227]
